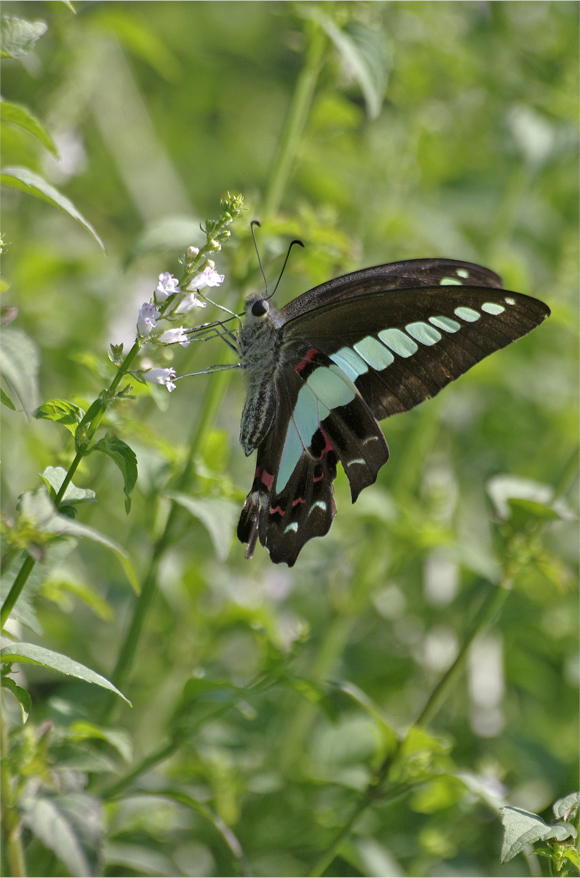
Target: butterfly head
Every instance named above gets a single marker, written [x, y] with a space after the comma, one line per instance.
[257, 306]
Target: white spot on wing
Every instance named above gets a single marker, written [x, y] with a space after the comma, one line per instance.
[450, 281]
[462, 272]
[509, 300]
[492, 308]
[423, 333]
[467, 314]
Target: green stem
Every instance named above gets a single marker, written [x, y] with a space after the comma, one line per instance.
[488, 613]
[29, 562]
[17, 586]
[11, 825]
[142, 767]
[215, 391]
[296, 119]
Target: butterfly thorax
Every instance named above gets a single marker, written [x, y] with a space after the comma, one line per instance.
[259, 348]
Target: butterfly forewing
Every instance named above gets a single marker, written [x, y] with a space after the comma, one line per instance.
[351, 351]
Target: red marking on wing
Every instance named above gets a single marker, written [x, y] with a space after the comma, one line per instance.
[328, 446]
[298, 500]
[278, 510]
[267, 480]
[310, 354]
[318, 478]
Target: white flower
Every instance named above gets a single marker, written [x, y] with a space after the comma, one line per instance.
[208, 278]
[192, 252]
[147, 319]
[167, 286]
[161, 376]
[175, 336]
[188, 303]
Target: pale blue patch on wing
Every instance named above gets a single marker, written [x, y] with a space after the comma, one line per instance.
[331, 387]
[293, 526]
[493, 308]
[350, 363]
[450, 281]
[375, 353]
[509, 300]
[320, 504]
[291, 454]
[306, 416]
[467, 314]
[445, 323]
[423, 333]
[462, 272]
[398, 342]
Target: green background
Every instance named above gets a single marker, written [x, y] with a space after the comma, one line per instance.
[473, 155]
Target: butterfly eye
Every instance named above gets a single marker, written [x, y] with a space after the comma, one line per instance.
[260, 308]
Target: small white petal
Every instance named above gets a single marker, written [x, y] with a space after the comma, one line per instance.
[188, 303]
[208, 278]
[147, 319]
[175, 336]
[167, 286]
[161, 376]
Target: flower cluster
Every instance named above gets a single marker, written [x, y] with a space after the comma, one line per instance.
[173, 297]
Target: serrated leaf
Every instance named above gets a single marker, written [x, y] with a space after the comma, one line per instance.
[30, 653]
[562, 806]
[61, 411]
[21, 694]
[70, 825]
[21, 116]
[6, 400]
[363, 51]
[524, 827]
[19, 363]
[37, 508]
[124, 457]
[19, 35]
[27, 181]
[218, 516]
[55, 476]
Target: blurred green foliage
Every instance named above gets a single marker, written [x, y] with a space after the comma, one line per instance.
[264, 699]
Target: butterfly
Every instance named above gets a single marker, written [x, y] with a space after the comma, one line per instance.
[324, 369]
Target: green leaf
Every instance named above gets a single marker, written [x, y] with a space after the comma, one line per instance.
[62, 412]
[363, 51]
[23, 610]
[563, 806]
[21, 116]
[55, 476]
[6, 400]
[27, 181]
[59, 587]
[117, 738]
[218, 516]
[138, 858]
[37, 508]
[19, 363]
[126, 460]
[21, 694]
[144, 42]
[18, 36]
[70, 825]
[524, 827]
[30, 653]
[514, 495]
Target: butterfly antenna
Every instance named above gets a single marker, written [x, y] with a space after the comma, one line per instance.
[295, 241]
[252, 224]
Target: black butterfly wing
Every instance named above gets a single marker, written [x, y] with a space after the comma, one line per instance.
[410, 274]
[291, 499]
[402, 346]
[361, 347]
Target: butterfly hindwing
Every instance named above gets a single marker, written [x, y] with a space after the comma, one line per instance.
[322, 419]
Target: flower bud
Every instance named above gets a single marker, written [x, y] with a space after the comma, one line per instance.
[192, 252]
